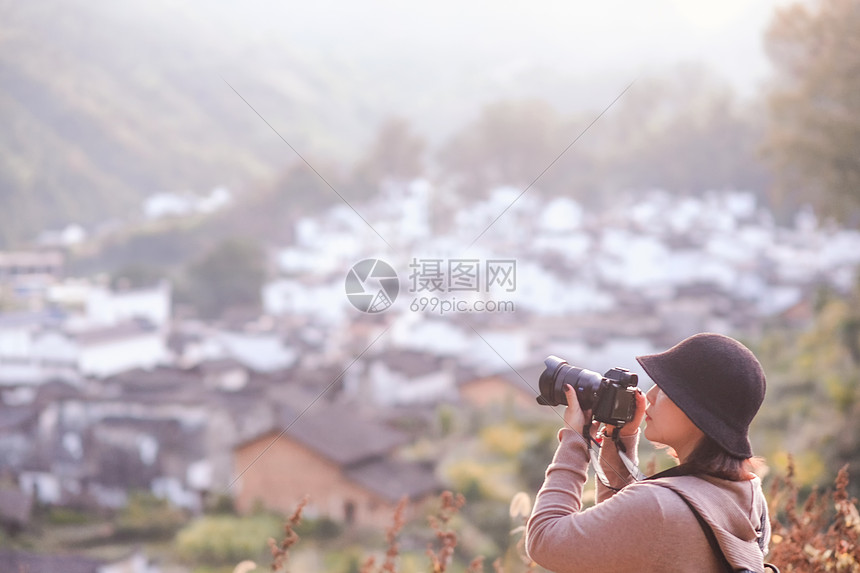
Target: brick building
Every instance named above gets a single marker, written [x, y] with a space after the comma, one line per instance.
[347, 466]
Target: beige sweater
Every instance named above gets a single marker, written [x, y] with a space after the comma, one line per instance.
[645, 527]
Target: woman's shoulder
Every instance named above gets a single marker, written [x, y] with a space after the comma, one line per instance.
[651, 496]
[710, 495]
[661, 489]
[708, 485]
[667, 513]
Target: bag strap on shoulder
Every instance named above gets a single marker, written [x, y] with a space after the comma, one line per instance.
[715, 546]
[709, 533]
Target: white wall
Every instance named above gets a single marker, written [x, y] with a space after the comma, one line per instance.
[31, 357]
[45, 487]
[54, 347]
[389, 387]
[115, 356]
[108, 307]
[15, 342]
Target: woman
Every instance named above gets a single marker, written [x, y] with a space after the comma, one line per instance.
[694, 517]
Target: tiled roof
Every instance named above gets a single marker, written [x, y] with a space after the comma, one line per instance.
[14, 561]
[31, 259]
[131, 329]
[337, 433]
[15, 506]
[524, 378]
[393, 479]
[29, 319]
[13, 417]
[56, 390]
[218, 365]
[412, 363]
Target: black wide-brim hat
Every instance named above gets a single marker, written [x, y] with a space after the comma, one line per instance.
[716, 381]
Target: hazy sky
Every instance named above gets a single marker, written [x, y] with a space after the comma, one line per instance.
[574, 37]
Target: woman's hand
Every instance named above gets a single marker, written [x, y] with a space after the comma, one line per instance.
[631, 427]
[574, 417]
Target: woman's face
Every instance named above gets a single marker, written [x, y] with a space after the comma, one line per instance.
[667, 424]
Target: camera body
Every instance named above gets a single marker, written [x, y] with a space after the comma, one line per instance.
[611, 397]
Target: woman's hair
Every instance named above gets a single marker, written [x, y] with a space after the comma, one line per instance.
[710, 458]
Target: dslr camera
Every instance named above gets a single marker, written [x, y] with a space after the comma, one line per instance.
[610, 397]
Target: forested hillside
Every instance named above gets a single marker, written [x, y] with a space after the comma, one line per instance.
[103, 103]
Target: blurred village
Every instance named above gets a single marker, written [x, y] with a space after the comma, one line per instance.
[258, 261]
[107, 394]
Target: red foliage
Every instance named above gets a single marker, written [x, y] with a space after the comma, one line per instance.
[824, 536]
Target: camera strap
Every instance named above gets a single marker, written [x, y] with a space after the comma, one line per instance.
[593, 452]
[631, 467]
[622, 453]
[601, 475]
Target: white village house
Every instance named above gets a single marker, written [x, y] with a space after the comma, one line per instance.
[116, 331]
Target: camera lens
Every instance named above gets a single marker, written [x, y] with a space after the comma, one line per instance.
[546, 383]
[558, 373]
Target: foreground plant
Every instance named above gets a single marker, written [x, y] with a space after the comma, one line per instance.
[440, 557]
[281, 552]
[389, 565]
[823, 536]
[814, 540]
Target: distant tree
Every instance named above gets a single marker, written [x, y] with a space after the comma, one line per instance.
[397, 153]
[305, 188]
[269, 211]
[148, 517]
[135, 275]
[813, 384]
[230, 275]
[814, 132]
[510, 143]
[684, 132]
[143, 252]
